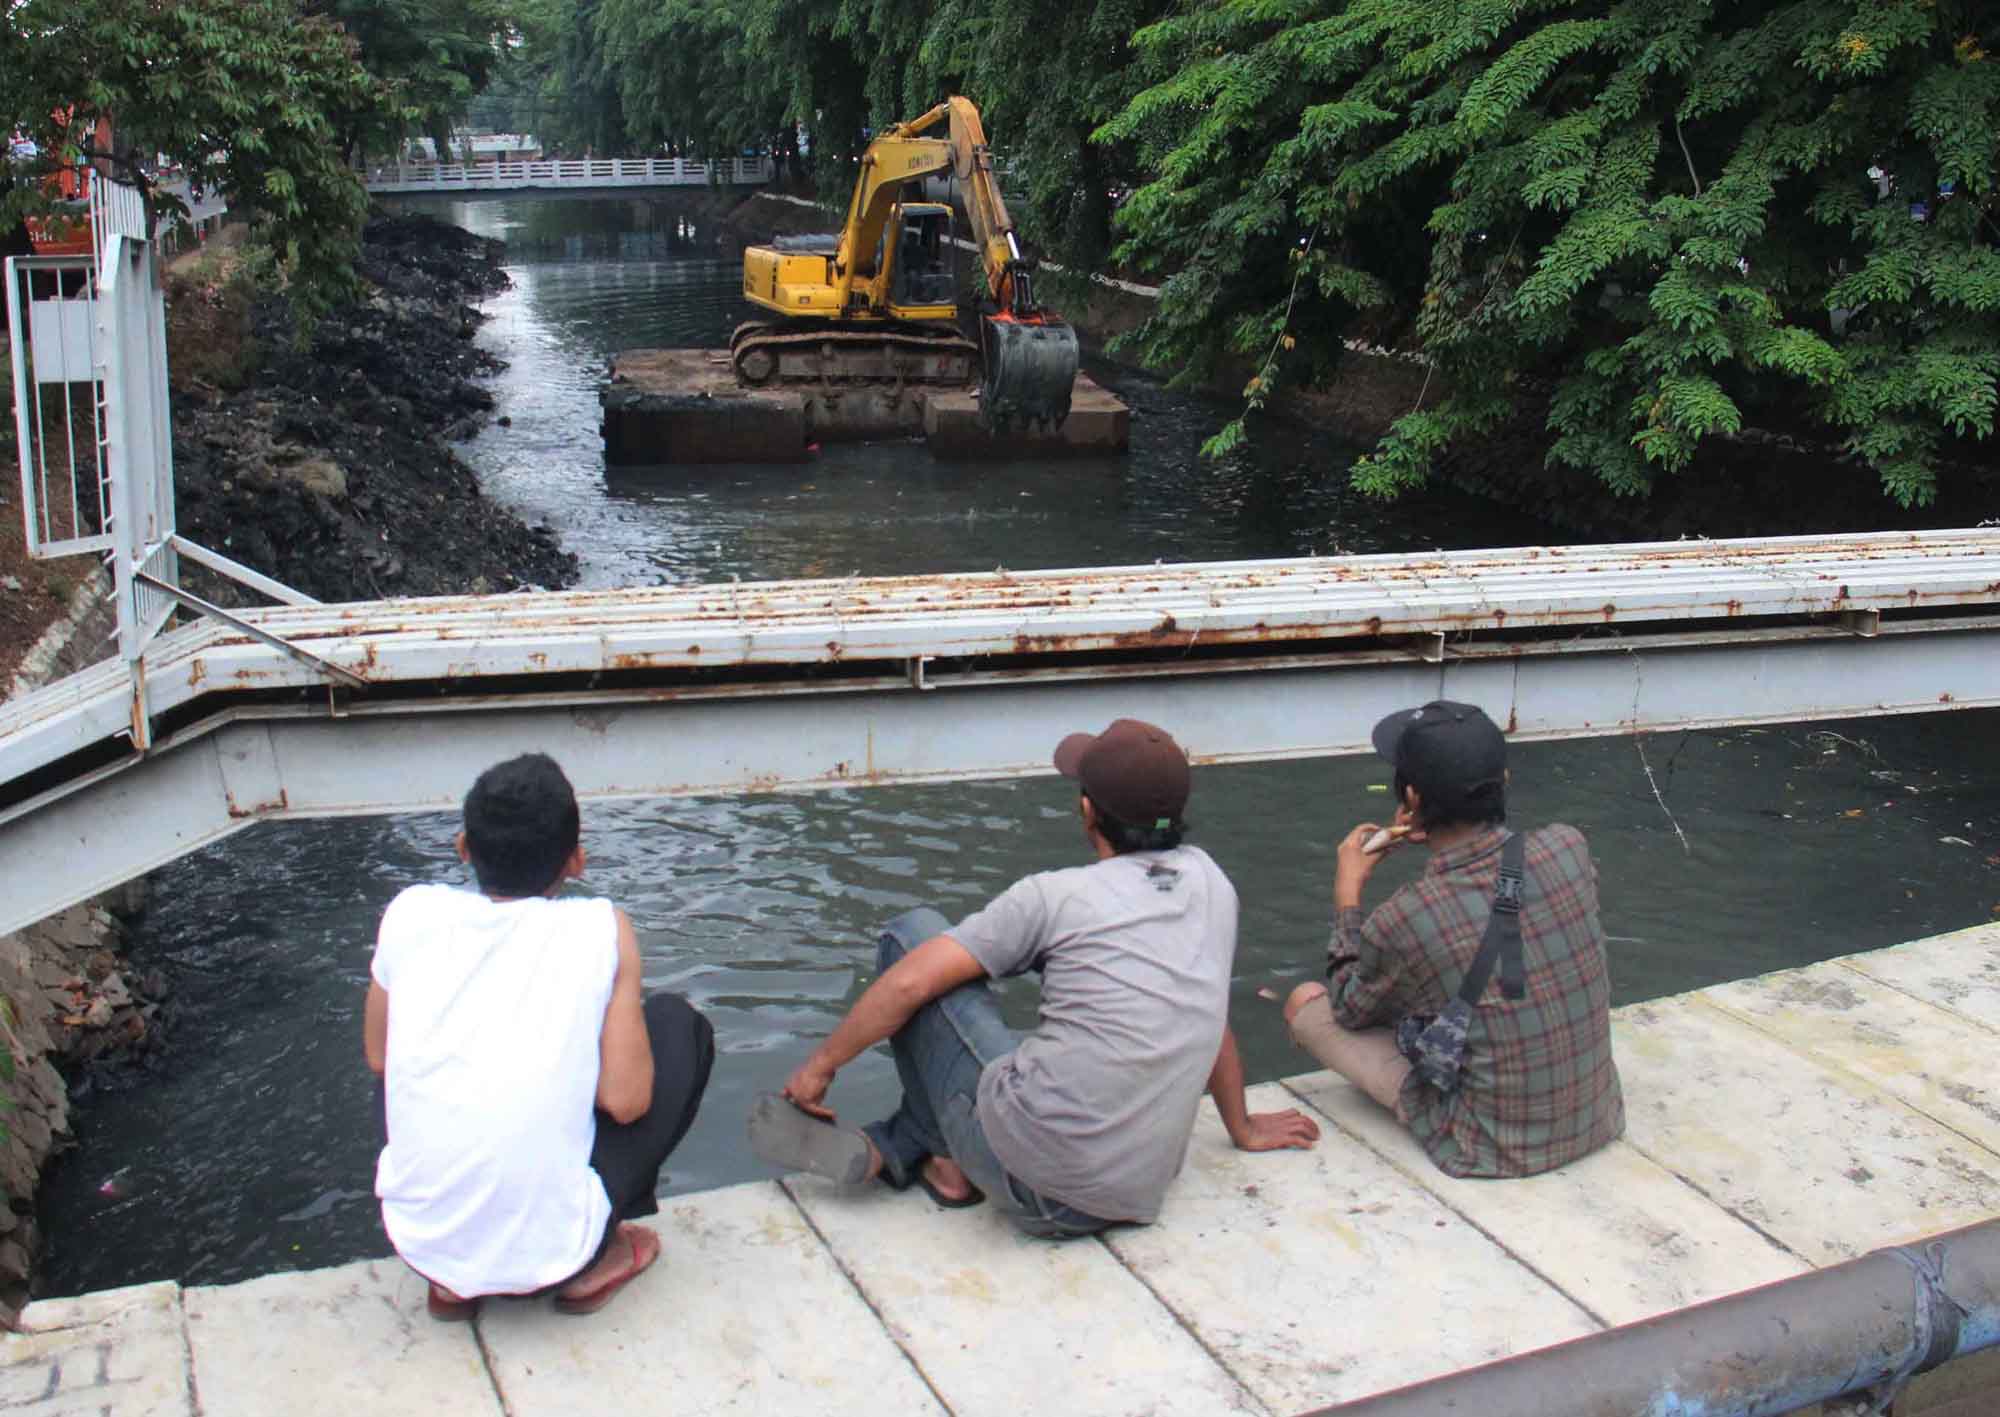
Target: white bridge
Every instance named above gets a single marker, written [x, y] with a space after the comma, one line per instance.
[576, 174]
[309, 711]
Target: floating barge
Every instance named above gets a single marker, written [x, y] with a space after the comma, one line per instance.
[1777, 1128]
[688, 406]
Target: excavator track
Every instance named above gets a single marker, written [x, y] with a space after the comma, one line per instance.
[848, 355]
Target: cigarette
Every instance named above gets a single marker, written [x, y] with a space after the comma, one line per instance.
[1383, 839]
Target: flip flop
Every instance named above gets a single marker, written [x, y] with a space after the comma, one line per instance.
[645, 1249]
[973, 1196]
[788, 1136]
[446, 1307]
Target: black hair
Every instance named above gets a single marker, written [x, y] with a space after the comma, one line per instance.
[1124, 837]
[1485, 804]
[520, 825]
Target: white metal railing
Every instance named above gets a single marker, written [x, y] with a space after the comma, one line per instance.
[87, 338]
[577, 173]
[59, 422]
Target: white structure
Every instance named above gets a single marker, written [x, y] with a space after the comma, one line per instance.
[576, 174]
[492, 147]
[87, 340]
[396, 705]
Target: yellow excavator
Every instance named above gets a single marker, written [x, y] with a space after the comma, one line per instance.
[876, 302]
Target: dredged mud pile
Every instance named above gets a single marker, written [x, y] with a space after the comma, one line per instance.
[328, 465]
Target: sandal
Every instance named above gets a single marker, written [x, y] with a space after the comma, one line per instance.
[786, 1135]
[446, 1307]
[645, 1245]
[973, 1196]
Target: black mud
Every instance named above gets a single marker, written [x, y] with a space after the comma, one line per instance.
[329, 466]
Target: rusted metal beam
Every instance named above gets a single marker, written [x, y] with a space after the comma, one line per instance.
[1449, 603]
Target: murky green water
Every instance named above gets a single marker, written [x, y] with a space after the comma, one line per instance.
[252, 1149]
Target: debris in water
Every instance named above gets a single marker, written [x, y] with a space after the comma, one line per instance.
[1954, 841]
[1267, 992]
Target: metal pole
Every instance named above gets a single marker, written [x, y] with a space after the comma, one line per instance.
[1871, 1323]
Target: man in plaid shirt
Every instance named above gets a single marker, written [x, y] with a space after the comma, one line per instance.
[1537, 1086]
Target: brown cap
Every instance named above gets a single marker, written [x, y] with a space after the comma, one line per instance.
[1134, 771]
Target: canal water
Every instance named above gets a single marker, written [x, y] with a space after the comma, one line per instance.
[251, 1147]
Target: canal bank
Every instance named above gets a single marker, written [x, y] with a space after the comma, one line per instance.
[251, 1150]
[1777, 1125]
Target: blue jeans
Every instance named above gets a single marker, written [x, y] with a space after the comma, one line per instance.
[940, 1054]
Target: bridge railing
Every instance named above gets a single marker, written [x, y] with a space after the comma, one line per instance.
[569, 172]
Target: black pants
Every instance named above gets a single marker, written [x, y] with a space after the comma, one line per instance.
[628, 1155]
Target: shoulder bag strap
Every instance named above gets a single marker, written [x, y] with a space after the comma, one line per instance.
[1502, 941]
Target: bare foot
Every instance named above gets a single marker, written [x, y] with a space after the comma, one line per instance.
[948, 1177]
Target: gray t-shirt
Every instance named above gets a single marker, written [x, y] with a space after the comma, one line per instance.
[1095, 1107]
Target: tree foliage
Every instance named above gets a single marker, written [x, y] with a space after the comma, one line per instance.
[1682, 213]
[247, 95]
[435, 56]
[711, 76]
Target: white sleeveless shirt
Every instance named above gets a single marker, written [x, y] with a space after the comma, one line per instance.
[495, 1014]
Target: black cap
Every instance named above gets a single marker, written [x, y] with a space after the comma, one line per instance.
[1133, 770]
[1453, 754]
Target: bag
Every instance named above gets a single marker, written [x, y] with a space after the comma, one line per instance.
[1435, 1043]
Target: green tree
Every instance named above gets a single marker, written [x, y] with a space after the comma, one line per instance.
[436, 55]
[1666, 206]
[247, 95]
[565, 66]
[1046, 75]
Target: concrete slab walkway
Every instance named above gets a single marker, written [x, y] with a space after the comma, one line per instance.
[1776, 1124]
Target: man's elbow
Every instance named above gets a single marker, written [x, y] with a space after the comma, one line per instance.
[625, 1109]
[628, 1101]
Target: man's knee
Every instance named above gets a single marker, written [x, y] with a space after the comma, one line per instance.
[670, 1016]
[1302, 996]
[906, 932]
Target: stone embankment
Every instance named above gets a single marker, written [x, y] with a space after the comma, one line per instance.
[327, 463]
[68, 1005]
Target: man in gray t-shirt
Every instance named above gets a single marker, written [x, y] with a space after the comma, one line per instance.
[1083, 1122]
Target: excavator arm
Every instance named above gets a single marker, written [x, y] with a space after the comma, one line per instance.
[1029, 355]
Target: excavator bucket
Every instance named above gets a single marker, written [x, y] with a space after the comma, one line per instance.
[1030, 369]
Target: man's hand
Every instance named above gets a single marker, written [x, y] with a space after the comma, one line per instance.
[1353, 866]
[1275, 1131]
[806, 1088]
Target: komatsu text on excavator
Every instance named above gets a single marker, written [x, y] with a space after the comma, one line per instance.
[876, 302]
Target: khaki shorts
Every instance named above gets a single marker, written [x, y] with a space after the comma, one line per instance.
[1367, 1057]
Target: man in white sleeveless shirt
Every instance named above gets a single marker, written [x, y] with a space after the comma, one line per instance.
[1083, 1122]
[531, 1093]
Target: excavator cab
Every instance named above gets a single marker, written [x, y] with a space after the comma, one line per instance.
[923, 278]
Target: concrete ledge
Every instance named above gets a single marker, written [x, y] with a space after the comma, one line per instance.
[1770, 1131]
[686, 406]
[1099, 425]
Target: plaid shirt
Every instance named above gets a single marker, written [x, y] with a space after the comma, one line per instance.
[1537, 1087]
